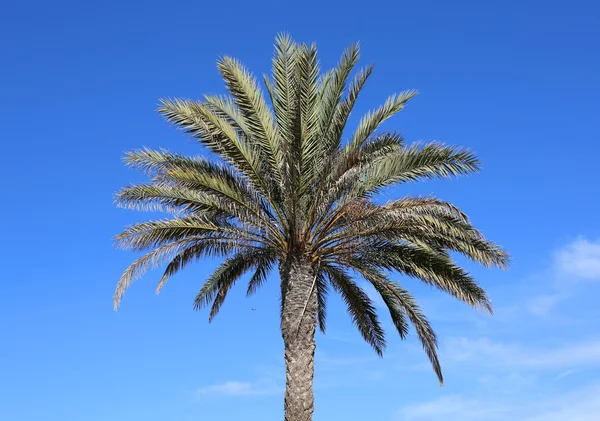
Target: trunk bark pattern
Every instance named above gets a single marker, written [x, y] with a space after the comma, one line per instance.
[298, 325]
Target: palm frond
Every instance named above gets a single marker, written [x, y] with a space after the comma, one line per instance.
[179, 262]
[308, 91]
[208, 245]
[223, 278]
[416, 162]
[216, 132]
[144, 235]
[283, 91]
[370, 122]
[264, 264]
[360, 307]
[322, 292]
[433, 267]
[333, 136]
[152, 197]
[253, 108]
[403, 301]
[333, 92]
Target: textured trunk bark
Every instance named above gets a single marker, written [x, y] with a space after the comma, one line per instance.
[298, 324]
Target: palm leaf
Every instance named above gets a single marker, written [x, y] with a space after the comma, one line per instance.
[360, 307]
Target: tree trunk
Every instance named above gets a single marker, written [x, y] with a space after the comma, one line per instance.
[298, 324]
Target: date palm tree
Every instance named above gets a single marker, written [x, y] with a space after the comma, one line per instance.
[291, 190]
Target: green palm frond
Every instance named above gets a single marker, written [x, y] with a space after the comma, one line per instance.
[211, 129]
[179, 262]
[149, 234]
[283, 88]
[370, 122]
[153, 197]
[264, 265]
[411, 164]
[217, 133]
[225, 107]
[223, 278]
[209, 246]
[403, 302]
[431, 266]
[360, 307]
[431, 160]
[253, 110]
[322, 292]
[333, 136]
[333, 91]
[378, 280]
[197, 174]
[307, 96]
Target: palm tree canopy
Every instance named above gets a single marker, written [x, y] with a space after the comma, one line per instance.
[290, 180]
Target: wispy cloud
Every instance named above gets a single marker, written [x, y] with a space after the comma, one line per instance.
[483, 351]
[527, 368]
[573, 263]
[236, 388]
[542, 305]
[455, 407]
[328, 361]
[564, 374]
[580, 405]
[579, 259]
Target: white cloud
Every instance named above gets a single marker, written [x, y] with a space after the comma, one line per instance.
[542, 305]
[325, 360]
[235, 388]
[531, 376]
[579, 259]
[455, 407]
[580, 405]
[565, 374]
[486, 352]
[508, 383]
[576, 261]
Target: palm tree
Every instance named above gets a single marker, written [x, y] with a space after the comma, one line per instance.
[286, 191]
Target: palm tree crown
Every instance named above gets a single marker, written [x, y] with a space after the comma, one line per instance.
[291, 183]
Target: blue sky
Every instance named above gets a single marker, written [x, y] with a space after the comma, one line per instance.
[516, 81]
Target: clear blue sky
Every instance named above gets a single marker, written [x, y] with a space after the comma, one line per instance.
[516, 81]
